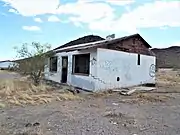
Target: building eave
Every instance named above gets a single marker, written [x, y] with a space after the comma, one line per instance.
[99, 43]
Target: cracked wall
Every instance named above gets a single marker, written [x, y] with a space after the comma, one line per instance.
[84, 82]
[108, 69]
[120, 69]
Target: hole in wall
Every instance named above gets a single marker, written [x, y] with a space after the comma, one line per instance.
[118, 79]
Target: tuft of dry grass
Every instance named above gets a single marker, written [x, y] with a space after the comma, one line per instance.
[145, 98]
[30, 132]
[102, 94]
[149, 97]
[115, 115]
[120, 118]
[2, 105]
[21, 92]
[168, 77]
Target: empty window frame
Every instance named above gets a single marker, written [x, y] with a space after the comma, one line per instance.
[139, 60]
[81, 64]
[53, 64]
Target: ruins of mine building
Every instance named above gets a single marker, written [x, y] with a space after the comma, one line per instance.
[93, 63]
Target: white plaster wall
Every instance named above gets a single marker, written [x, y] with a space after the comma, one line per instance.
[85, 82]
[112, 64]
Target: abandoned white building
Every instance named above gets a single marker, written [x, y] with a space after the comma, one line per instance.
[105, 64]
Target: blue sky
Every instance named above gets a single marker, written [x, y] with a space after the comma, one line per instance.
[60, 21]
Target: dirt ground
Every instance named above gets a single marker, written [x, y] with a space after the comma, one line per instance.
[152, 113]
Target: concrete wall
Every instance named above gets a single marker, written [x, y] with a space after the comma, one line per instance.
[105, 68]
[112, 64]
[85, 82]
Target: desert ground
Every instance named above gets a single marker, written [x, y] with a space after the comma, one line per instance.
[46, 110]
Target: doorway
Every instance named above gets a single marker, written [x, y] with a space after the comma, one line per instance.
[64, 71]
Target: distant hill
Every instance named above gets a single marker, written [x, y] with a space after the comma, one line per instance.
[168, 57]
[82, 40]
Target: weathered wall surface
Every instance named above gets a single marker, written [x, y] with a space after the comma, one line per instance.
[112, 65]
[85, 82]
[108, 69]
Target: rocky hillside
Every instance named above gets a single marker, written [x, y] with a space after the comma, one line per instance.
[168, 57]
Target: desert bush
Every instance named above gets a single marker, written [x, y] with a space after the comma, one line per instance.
[33, 57]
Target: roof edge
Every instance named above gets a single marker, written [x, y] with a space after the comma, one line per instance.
[103, 42]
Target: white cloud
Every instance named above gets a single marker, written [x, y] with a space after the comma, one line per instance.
[38, 20]
[128, 9]
[163, 14]
[112, 2]
[31, 28]
[53, 18]
[149, 15]
[120, 2]
[33, 7]
[11, 10]
[3, 14]
[86, 12]
[83, 10]
[176, 44]
[163, 28]
[101, 16]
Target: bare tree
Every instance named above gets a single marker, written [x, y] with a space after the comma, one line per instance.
[33, 57]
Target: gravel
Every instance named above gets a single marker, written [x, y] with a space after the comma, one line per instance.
[102, 115]
[95, 116]
[8, 75]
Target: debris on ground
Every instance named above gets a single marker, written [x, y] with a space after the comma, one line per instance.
[115, 104]
[130, 91]
[127, 92]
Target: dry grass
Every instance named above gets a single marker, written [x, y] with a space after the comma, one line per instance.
[22, 91]
[168, 81]
[149, 97]
[24, 131]
[6, 71]
[114, 115]
[3, 71]
[2, 105]
[102, 94]
[143, 98]
[120, 118]
[168, 77]
[30, 132]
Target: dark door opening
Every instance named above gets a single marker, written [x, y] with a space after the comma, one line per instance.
[64, 71]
